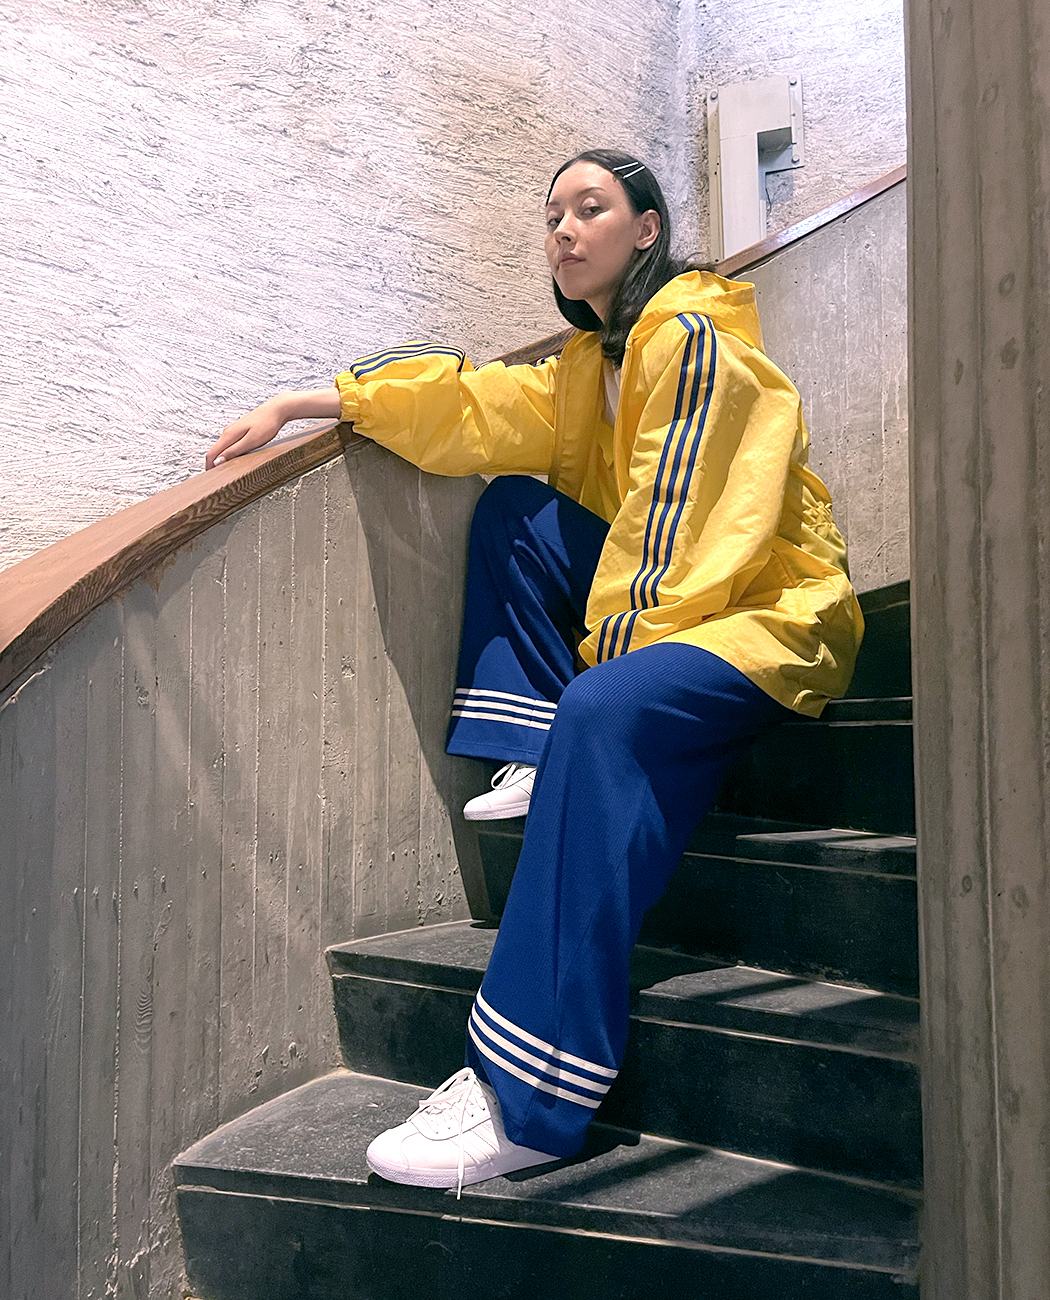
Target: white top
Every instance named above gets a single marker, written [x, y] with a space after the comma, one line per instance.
[611, 374]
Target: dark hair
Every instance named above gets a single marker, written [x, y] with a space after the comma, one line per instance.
[649, 268]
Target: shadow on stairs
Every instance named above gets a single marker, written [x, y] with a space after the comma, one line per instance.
[762, 1141]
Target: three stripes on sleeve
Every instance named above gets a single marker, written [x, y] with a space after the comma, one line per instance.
[696, 382]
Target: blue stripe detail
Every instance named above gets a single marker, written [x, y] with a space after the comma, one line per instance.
[367, 365]
[630, 631]
[694, 451]
[413, 345]
[610, 632]
[674, 481]
[615, 634]
[601, 639]
[688, 362]
[671, 489]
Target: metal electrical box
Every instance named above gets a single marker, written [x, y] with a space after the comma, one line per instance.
[753, 128]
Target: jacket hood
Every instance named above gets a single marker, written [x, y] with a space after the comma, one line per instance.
[729, 303]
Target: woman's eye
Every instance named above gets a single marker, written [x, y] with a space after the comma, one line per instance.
[592, 211]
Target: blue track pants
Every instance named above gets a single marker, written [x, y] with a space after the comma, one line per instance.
[630, 756]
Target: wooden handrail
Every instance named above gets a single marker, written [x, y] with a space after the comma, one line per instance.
[751, 257]
[44, 596]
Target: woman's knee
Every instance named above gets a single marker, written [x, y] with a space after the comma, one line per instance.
[595, 703]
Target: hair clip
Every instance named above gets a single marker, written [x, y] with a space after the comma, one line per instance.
[638, 167]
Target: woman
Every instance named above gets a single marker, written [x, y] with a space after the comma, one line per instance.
[683, 553]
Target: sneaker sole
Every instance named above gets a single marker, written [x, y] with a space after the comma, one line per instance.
[447, 1179]
[497, 814]
[416, 1177]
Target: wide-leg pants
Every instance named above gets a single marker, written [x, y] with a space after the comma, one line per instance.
[630, 756]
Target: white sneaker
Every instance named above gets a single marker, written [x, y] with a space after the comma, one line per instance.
[510, 796]
[455, 1138]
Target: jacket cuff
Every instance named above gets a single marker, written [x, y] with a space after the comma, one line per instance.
[349, 396]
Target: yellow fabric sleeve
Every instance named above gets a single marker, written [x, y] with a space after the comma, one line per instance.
[708, 488]
[428, 404]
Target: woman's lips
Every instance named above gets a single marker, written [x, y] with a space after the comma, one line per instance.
[569, 259]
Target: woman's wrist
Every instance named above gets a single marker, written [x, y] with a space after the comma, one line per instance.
[306, 404]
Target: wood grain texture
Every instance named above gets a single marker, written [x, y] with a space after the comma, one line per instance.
[103, 797]
[175, 988]
[27, 1218]
[136, 1000]
[308, 988]
[340, 701]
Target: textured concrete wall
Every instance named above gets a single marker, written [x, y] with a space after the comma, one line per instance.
[851, 57]
[205, 783]
[834, 313]
[979, 109]
[202, 203]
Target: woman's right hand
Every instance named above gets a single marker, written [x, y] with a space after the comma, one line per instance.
[258, 427]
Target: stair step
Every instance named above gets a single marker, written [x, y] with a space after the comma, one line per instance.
[866, 709]
[884, 663]
[749, 1060]
[280, 1203]
[851, 767]
[845, 850]
[831, 904]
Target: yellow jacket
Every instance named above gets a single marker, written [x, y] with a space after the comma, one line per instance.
[720, 535]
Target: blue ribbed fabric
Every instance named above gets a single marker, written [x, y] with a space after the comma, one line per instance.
[628, 761]
[533, 553]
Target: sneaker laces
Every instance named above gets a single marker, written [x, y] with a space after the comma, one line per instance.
[456, 1093]
[511, 772]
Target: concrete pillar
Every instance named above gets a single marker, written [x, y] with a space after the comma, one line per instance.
[978, 182]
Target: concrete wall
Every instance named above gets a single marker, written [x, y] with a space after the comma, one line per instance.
[203, 203]
[204, 784]
[834, 314]
[851, 57]
[979, 123]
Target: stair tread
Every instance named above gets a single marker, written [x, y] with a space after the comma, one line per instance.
[666, 985]
[310, 1144]
[845, 850]
[793, 843]
[862, 711]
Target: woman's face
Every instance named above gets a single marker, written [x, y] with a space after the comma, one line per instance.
[592, 234]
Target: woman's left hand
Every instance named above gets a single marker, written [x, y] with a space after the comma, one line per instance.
[258, 427]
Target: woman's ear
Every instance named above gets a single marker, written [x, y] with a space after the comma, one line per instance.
[648, 229]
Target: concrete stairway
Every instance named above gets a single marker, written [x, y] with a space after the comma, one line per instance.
[762, 1141]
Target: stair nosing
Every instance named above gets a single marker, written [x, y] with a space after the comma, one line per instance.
[802, 866]
[906, 1272]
